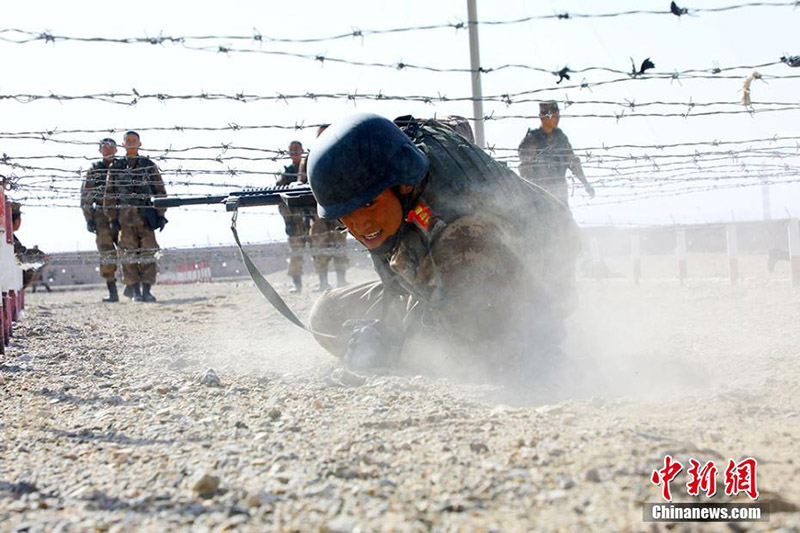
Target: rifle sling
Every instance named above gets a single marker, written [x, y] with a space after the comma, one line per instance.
[266, 288]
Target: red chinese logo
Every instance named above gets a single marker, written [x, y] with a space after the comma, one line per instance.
[739, 477]
[665, 475]
[702, 479]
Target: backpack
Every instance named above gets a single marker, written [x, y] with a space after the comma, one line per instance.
[464, 180]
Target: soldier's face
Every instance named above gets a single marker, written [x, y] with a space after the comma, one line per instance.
[132, 145]
[107, 150]
[549, 122]
[296, 153]
[376, 221]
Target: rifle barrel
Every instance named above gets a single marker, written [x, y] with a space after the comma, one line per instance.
[290, 196]
[176, 201]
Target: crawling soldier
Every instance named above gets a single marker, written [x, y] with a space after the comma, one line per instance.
[472, 260]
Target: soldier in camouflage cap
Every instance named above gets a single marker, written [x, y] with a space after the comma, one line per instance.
[131, 184]
[460, 272]
[92, 192]
[545, 154]
[297, 220]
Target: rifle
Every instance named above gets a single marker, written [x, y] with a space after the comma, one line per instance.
[297, 196]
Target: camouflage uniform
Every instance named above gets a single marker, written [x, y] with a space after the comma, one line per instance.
[545, 158]
[92, 192]
[483, 266]
[296, 220]
[130, 185]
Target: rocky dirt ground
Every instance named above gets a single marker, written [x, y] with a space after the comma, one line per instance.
[208, 411]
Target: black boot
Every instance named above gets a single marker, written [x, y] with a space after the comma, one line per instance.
[146, 296]
[113, 295]
[341, 278]
[298, 284]
[128, 292]
[323, 282]
[137, 292]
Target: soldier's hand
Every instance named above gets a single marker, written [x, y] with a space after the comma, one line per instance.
[91, 227]
[589, 190]
[113, 225]
[162, 221]
[367, 349]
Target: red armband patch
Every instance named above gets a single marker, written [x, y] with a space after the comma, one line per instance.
[422, 216]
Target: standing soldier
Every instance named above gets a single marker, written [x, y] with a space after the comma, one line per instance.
[329, 240]
[545, 155]
[297, 220]
[131, 184]
[92, 191]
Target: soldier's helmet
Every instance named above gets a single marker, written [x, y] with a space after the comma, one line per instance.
[358, 158]
[548, 108]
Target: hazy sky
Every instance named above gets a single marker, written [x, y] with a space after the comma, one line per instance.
[634, 185]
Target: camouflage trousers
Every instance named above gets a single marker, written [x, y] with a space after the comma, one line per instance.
[138, 242]
[324, 235]
[297, 229]
[106, 247]
[297, 244]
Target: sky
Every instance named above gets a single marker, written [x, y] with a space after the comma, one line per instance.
[643, 185]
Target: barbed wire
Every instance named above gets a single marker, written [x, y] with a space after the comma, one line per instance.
[27, 36]
[134, 97]
[644, 169]
[163, 153]
[776, 143]
[662, 190]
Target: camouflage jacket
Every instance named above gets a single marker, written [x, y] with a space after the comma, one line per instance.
[129, 188]
[545, 156]
[480, 251]
[93, 188]
[460, 276]
[292, 173]
[296, 219]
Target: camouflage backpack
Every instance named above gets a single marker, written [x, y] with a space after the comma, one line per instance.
[465, 180]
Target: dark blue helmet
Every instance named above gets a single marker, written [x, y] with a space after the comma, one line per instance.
[358, 158]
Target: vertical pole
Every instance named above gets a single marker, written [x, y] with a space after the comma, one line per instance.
[475, 65]
[733, 253]
[794, 250]
[636, 255]
[680, 254]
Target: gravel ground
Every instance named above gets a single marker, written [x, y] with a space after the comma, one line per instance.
[209, 412]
